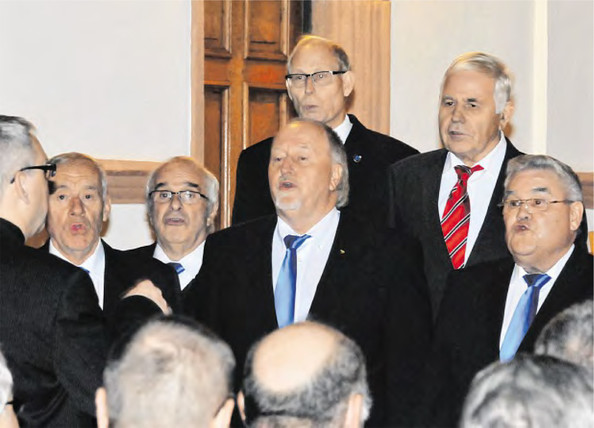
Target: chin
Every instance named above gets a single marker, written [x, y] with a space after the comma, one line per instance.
[288, 205]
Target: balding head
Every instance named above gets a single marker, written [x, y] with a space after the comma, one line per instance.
[303, 375]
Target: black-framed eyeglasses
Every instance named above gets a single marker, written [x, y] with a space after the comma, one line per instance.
[533, 204]
[185, 196]
[48, 168]
[319, 78]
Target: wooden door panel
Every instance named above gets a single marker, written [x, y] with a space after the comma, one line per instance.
[267, 112]
[217, 27]
[266, 28]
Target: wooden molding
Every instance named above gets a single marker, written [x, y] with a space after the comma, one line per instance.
[587, 180]
[126, 179]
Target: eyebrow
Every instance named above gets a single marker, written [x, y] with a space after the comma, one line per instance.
[533, 190]
[187, 183]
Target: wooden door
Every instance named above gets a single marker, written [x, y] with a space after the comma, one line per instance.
[246, 47]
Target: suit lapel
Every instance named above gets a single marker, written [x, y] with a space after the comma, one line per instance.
[431, 213]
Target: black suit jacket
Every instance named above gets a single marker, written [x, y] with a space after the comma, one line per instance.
[469, 326]
[414, 193]
[369, 155]
[52, 334]
[368, 291]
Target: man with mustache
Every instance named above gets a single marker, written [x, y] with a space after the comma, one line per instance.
[79, 204]
[448, 198]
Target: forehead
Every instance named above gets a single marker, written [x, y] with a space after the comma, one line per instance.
[179, 174]
[468, 84]
[301, 135]
[79, 171]
[534, 181]
[314, 56]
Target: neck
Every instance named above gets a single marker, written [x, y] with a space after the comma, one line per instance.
[78, 257]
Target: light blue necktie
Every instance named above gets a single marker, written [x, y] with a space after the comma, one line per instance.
[284, 294]
[177, 266]
[523, 316]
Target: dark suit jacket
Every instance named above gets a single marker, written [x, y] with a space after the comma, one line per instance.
[369, 155]
[367, 290]
[414, 193]
[469, 326]
[51, 332]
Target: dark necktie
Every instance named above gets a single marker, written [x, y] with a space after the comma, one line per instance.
[456, 216]
[284, 294]
[177, 266]
[523, 316]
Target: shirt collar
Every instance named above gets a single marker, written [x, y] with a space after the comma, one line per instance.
[556, 269]
[343, 130]
[190, 259]
[319, 230]
[93, 263]
[491, 163]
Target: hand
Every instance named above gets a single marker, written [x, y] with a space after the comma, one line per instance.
[147, 289]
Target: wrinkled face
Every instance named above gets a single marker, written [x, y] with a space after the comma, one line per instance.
[537, 239]
[301, 173]
[327, 103]
[468, 124]
[39, 189]
[77, 210]
[175, 223]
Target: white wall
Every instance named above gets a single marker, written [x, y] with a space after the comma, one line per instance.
[107, 78]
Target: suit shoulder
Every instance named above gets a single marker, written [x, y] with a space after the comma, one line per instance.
[257, 150]
[144, 252]
[252, 229]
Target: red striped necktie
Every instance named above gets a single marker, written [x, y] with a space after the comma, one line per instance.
[456, 216]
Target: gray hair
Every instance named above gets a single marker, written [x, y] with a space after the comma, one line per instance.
[569, 335]
[322, 401]
[344, 63]
[535, 391]
[211, 189]
[5, 383]
[16, 146]
[65, 158]
[172, 373]
[489, 65]
[570, 180]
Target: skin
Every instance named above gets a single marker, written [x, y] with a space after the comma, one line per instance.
[302, 176]
[38, 190]
[537, 240]
[77, 210]
[325, 104]
[180, 228]
[468, 124]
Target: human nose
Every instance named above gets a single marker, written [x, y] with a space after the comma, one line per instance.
[523, 210]
[175, 203]
[309, 84]
[76, 206]
[457, 114]
[286, 166]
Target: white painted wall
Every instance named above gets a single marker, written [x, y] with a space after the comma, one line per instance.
[107, 78]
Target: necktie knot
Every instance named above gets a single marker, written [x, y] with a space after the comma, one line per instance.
[293, 242]
[179, 268]
[536, 279]
[465, 172]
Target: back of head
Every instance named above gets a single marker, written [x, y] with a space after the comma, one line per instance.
[172, 373]
[534, 391]
[16, 146]
[570, 335]
[304, 375]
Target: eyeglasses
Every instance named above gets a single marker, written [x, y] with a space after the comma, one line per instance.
[49, 168]
[319, 78]
[185, 196]
[534, 204]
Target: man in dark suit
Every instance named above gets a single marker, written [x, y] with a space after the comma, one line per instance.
[474, 110]
[255, 277]
[51, 327]
[319, 83]
[487, 308]
[79, 204]
[182, 200]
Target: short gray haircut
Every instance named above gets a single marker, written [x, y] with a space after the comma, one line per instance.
[492, 67]
[211, 189]
[322, 401]
[5, 383]
[66, 158]
[570, 180]
[16, 146]
[172, 373]
[537, 391]
[569, 335]
[344, 64]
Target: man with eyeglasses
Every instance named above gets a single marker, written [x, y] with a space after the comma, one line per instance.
[319, 83]
[182, 199]
[493, 310]
[79, 205]
[51, 328]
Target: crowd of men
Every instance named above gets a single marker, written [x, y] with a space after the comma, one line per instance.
[361, 282]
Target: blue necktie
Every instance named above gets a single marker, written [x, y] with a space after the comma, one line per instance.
[177, 266]
[523, 316]
[284, 294]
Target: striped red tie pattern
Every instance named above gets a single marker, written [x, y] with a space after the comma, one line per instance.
[456, 216]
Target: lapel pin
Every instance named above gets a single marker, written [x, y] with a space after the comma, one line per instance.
[357, 158]
[342, 252]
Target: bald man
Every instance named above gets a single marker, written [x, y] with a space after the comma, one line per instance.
[306, 374]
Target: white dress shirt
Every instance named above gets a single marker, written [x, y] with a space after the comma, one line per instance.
[517, 287]
[94, 264]
[344, 129]
[480, 188]
[192, 262]
[312, 256]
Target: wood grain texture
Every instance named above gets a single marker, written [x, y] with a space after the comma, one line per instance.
[126, 179]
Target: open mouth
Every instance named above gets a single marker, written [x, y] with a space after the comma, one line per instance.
[77, 227]
[286, 185]
[174, 221]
